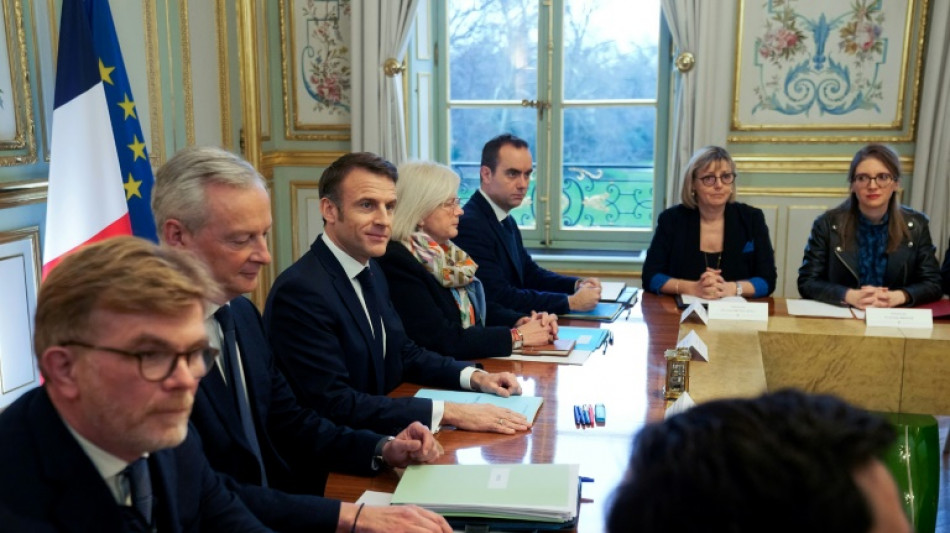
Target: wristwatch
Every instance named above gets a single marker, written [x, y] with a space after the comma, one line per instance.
[378, 461]
[738, 289]
[517, 339]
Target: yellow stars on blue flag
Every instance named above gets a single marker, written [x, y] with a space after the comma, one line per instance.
[138, 148]
[129, 107]
[105, 73]
[132, 187]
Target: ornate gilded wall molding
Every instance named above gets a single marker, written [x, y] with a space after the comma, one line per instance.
[786, 164]
[20, 193]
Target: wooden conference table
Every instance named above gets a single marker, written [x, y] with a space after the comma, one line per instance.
[627, 378]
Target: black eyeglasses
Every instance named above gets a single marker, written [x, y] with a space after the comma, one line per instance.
[710, 179]
[157, 365]
[881, 179]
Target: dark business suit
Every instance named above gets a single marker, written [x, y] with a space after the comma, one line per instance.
[47, 478]
[297, 445]
[746, 249]
[321, 338]
[431, 315]
[513, 281]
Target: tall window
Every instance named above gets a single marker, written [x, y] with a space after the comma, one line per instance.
[579, 80]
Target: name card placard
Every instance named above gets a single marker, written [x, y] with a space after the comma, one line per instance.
[753, 311]
[695, 308]
[899, 317]
[696, 345]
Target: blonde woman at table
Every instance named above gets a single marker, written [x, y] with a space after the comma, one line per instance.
[709, 245]
[432, 281]
[870, 251]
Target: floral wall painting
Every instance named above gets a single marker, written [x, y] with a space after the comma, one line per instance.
[816, 65]
[320, 68]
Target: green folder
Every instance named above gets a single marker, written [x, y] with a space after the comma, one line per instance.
[535, 492]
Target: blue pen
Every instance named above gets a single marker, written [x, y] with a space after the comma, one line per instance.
[585, 479]
[577, 415]
[585, 417]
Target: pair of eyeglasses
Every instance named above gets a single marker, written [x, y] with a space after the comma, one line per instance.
[451, 203]
[881, 179]
[709, 180]
[157, 365]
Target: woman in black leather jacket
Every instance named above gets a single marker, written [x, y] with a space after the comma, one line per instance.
[870, 251]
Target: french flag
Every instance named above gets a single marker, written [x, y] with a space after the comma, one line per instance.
[100, 178]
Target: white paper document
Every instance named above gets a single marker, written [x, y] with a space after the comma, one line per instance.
[817, 309]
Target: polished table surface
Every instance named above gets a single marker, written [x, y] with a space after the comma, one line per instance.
[627, 379]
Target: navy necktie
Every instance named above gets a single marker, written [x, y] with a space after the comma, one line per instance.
[510, 231]
[140, 487]
[365, 277]
[229, 348]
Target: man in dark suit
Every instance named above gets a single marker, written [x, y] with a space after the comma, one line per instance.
[275, 453]
[335, 331]
[104, 444]
[491, 236]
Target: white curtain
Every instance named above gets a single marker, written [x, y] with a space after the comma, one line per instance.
[703, 95]
[380, 32]
[930, 191]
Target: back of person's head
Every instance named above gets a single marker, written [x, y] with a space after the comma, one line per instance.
[332, 178]
[180, 184]
[783, 462]
[422, 187]
[492, 147]
[123, 275]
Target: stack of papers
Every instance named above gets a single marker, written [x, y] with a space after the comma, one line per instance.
[610, 291]
[560, 348]
[531, 492]
[526, 405]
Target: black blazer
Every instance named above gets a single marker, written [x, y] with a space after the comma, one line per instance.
[48, 479]
[945, 272]
[534, 289]
[431, 316]
[674, 252]
[321, 338]
[829, 267]
[297, 445]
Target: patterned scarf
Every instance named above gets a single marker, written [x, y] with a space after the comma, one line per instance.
[454, 270]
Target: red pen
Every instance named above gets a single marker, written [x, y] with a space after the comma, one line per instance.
[590, 410]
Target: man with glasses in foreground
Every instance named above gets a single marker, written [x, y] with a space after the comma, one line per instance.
[104, 444]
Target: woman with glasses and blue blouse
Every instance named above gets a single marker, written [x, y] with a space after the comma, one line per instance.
[870, 251]
[432, 281]
[709, 245]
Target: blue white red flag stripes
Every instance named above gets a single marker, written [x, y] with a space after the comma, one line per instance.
[100, 179]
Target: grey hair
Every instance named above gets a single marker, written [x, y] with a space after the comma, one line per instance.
[701, 159]
[180, 184]
[421, 188]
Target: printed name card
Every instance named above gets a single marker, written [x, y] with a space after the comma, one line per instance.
[899, 318]
[695, 308]
[696, 345]
[754, 311]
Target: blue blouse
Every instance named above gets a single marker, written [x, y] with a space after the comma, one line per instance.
[872, 251]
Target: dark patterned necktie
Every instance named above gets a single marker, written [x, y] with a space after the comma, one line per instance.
[229, 348]
[140, 487]
[365, 277]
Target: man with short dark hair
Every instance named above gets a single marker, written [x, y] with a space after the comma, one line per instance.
[274, 452]
[337, 335]
[492, 238]
[784, 462]
[104, 444]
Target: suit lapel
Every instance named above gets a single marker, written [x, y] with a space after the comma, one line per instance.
[344, 289]
[500, 233]
[221, 400]
[83, 502]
